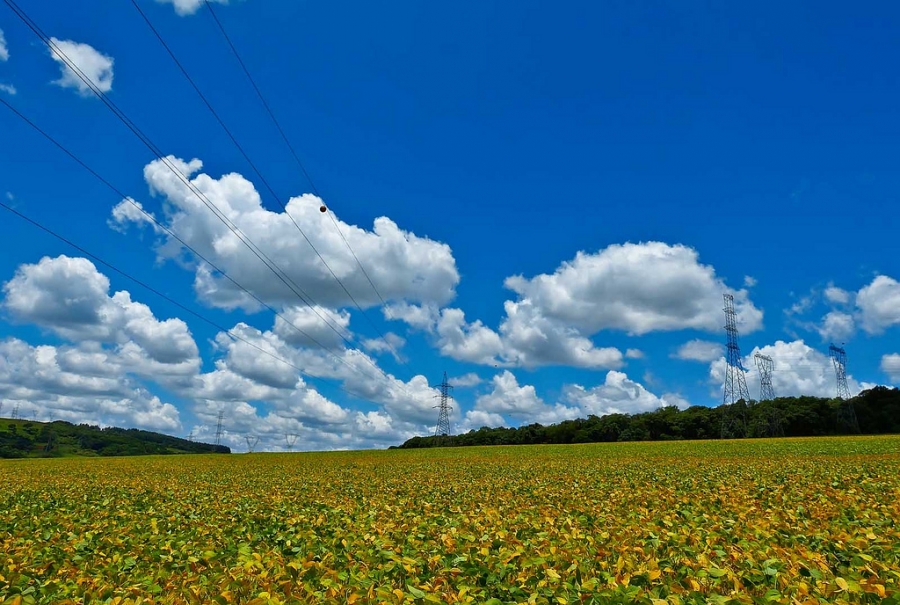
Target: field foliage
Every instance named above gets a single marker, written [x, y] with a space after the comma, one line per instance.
[797, 521]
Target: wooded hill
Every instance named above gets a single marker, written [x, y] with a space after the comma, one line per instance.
[30, 439]
[877, 411]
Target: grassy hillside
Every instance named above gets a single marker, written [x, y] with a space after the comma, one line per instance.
[30, 439]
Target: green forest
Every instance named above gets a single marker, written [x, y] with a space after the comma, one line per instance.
[877, 411]
[29, 439]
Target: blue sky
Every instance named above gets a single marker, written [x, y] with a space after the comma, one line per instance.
[550, 199]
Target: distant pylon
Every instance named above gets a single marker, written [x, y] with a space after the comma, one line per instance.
[15, 413]
[734, 419]
[219, 427]
[846, 413]
[190, 436]
[443, 425]
[290, 439]
[252, 440]
[766, 366]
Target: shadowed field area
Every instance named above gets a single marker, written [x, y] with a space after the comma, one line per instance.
[777, 521]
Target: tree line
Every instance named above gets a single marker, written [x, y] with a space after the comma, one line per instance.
[27, 439]
[877, 411]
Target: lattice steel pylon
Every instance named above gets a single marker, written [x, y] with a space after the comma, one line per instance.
[252, 440]
[766, 366]
[289, 440]
[443, 425]
[846, 413]
[734, 418]
[769, 420]
[219, 427]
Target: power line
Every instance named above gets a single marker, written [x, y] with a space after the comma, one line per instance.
[174, 302]
[270, 264]
[262, 178]
[150, 217]
[287, 142]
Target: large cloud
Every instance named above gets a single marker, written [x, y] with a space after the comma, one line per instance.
[636, 288]
[187, 7]
[80, 384]
[261, 379]
[403, 266]
[879, 304]
[94, 65]
[71, 298]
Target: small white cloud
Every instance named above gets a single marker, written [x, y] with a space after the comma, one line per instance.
[749, 281]
[8, 88]
[4, 51]
[837, 326]
[391, 343]
[466, 380]
[93, 65]
[634, 354]
[618, 395]
[187, 7]
[836, 295]
[475, 419]
[890, 365]
[699, 350]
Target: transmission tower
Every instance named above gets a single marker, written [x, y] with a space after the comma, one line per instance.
[15, 414]
[734, 418]
[252, 440]
[846, 413]
[1, 405]
[190, 436]
[219, 427]
[770, 423]
[766, 366]
[290, 439]
[443, 425]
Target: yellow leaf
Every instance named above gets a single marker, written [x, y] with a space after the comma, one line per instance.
[654, 574]
[842, 583]
[694, 584]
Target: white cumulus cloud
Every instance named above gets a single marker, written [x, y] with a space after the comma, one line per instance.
[879, 304]
[187, 7]
[618, 395]
[508, 398]
[799, 370]
[93, 65]
[405, 268]
[636, 288]
[699, 350]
